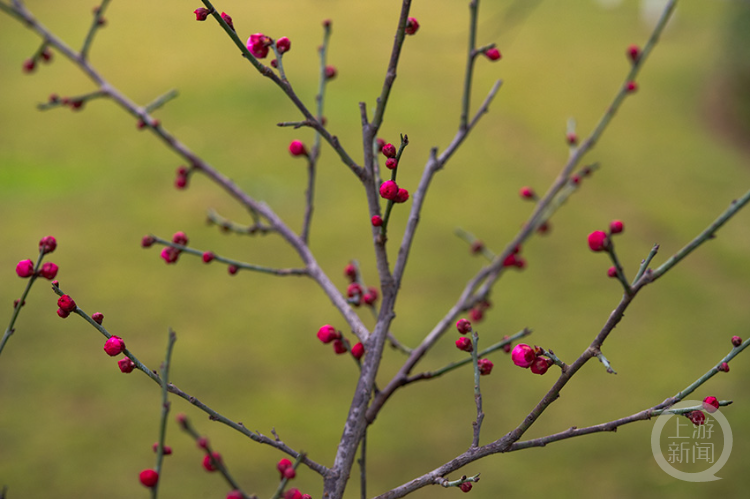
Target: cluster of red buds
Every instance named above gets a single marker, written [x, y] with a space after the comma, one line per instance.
[464, 343]
[355, 290]
[45, 55]
[600, 241]
[170, 254]
[25, 268]
[525, 356]
[182, 177]
[329, 334]
[477, 311]
[515, 259]
[74, 104]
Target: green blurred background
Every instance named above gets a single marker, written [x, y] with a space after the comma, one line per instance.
[71, 425]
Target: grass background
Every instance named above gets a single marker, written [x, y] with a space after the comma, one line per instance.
[71, 424]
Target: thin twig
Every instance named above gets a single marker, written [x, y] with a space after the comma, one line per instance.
[96, 24]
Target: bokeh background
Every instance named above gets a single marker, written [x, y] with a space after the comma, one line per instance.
[71, 425]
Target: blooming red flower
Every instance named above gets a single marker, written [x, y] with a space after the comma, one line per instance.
[25, 268]
[412, 26]
[208, 463]
[389, 151]
[711, 404]
[389, 190]
[485, 366]
[48, 270]
[201, 14]
[66, 303]
[283, 44]
[523, 355]
[328, 333]
[464, 343]
[98, 317]
[493, 54]
[297, 148]
[339, 347]
[615, 227]
[114, 346]
[697, 417]
[736, 341]
[47, 244]
[358, 350]
[598, 240]
[463, 326]
[376, 220]
[126, 365]
[149, 478]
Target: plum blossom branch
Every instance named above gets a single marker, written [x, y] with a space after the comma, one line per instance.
[164, 371]
[17, 307]
[212, 414]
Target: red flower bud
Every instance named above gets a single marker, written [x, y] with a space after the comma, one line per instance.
[114, 346]
[376, 220]
[527, 193]
[339, 347]
[170, 254]
[66, 303]
[147, 241]
[540, 365]
[493, 54]
[571, 138]
[598, 240]
[615, 227]
[476, 314]
[29, 65]
[211, 464]
[612, 272]
[98, 317]
[724, 367]
[167, 450]
[697, 417]
[201, 14]
[380, 143]
[391, 163]
[62, 313]
[233, 269]
[228, 20]
[25, 268]
[485, 366]
[634, 52]
[283, 44]
[297, 148]
[48, 270]
[126, 365]
[208, 256]
[476, 247]
[258, 45]
[331, 72]
[350, 271]
[523, 355]
[507, 346]
[465, 487]
[202, 442]
[235, 494]
[412, 26]
[47, 244]
[327, 334]
[180, 238]
[389, 151]
[631, 87]
[711, 404]
[289, 473]
[358, 350]
[283, 464]
[402, 196]
[463, 326]
[389, 190]
[736, 341]
[464, 343]
[149, 478]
